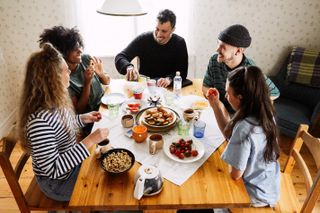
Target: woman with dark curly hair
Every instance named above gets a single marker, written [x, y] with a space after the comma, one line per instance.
[87, 72]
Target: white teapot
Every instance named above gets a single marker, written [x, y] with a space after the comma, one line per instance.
[148, 181]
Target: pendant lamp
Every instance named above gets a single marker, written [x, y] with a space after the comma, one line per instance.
[122, 8]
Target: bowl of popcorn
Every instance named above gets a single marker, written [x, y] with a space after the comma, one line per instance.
[117, 161]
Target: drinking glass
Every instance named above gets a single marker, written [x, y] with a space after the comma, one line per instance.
[198, 128]
[143, 79]
[169, 98]
[113, 110]
[183, 128]
[152, 84]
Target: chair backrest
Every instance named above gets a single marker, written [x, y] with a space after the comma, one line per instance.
[312, 185]
[11, 172]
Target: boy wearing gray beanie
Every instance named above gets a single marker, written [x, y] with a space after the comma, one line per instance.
[229, 55]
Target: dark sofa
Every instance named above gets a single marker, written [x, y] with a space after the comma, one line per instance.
[297, 104]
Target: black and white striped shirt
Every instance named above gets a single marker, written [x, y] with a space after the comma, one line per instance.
[54, 149]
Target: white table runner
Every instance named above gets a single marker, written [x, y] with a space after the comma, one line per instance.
[173, 171]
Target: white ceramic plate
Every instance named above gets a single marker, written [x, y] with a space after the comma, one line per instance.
[113, 98]
[197, 145]
[155, 126]
[142, 103]
[192, 101]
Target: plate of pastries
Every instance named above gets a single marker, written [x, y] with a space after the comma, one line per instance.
[158, 118]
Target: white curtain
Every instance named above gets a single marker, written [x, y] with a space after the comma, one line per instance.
[107, 35]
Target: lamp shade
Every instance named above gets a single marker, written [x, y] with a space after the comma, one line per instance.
[122, 8]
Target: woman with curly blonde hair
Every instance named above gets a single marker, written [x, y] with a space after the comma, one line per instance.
[48, 125]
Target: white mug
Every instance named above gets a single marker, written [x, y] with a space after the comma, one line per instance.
[102, 147]
[155, 143]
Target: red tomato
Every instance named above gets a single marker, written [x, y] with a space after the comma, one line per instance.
[188, 148]
[172, 150]
[189, 141]
[137, 105]
[187, 153]
[134, 109]
[194, 153]
[183, 149]
[181, 141]
[212, 92]
[181, 156]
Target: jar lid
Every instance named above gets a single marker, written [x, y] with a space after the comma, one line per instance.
[137, 89]
[149, 171]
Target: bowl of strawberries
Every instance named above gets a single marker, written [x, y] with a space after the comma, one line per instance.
[184, 150]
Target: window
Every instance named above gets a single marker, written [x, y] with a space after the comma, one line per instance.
[107, 35]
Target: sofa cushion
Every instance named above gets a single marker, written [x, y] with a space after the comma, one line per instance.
[290, 114]
[302, 94]
[304, 67]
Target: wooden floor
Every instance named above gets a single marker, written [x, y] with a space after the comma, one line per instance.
[8, 204]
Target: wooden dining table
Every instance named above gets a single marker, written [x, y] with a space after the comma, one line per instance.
[209, 187]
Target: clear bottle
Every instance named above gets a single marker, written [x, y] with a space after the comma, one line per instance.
[177, 84]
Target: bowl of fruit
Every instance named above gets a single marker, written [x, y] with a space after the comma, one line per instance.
[184, 150]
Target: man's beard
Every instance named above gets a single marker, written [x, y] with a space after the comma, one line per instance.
[223, 58]
[162, 42]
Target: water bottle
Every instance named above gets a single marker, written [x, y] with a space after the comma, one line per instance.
[177, 84]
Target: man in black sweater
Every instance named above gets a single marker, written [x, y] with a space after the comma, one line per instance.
[161, 53]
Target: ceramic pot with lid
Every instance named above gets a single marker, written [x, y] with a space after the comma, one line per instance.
[148, 181]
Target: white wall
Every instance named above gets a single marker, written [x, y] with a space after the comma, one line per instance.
[21, 23]
[275, 26]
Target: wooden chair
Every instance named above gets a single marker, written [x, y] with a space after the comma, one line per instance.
[33, 199]
[288, 198]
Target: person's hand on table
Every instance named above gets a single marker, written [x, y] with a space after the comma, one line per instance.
[132, 73]
[90, 117]
[163, 82]
[95, 137]
[213, 96]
